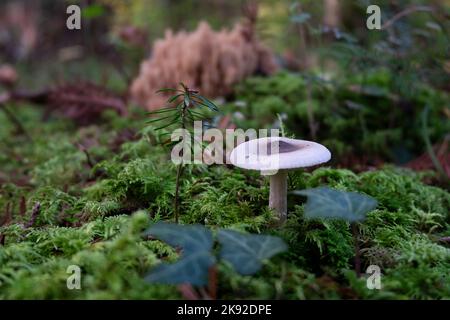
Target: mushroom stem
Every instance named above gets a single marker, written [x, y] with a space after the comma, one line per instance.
[278, 195]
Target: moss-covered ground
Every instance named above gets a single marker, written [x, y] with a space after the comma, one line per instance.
[99, 187]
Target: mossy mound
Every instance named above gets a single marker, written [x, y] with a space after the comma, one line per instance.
[96, 200]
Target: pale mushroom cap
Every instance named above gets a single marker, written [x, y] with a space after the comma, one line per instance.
[275, 153]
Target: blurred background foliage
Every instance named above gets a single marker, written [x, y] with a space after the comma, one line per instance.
[298, 31]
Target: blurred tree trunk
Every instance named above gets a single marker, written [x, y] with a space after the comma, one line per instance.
[331, 16]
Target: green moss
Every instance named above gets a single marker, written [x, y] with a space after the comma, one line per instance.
[360, 114]
[93, 218]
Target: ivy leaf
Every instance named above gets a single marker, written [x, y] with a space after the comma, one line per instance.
[192, 238]
[196, 242]
[329, 203]
[246, 252]
[192, 268]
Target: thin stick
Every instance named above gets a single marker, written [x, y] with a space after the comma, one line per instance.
[177, 191]
[311, 121]
[20, 128]
[34, 215]
[426, 137]
[188, 291]
[180, 166]
[212, 283]
[404, 13]
[88, 156]
[22, 206]
[357, 253]
[445, 239]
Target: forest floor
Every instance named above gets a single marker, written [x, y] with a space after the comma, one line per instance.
[83, 196]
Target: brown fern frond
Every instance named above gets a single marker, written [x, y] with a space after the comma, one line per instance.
[424, 162]
[84, 102]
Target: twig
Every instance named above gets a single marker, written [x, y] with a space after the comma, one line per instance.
[404, 13]
[7, 216]
[188, 292]
[177, 191]
[212, 282]
[445, 239]
[22, 206]
[5, 97]
[311, 121]
[357, 252]
[180, 166]
[301, 30]
[88, 156]
[6, 219]
[20, 128]
[204, 293]
[40, 97]
[426, 137]
[34, 215]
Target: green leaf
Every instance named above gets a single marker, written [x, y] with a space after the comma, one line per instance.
[196, 243]
[187, 100]
[191, 269]
[329, 203]
[191, 238]
[354, 105]
[372, 90]
[169, 124]
[93, 11]
[160, 111]
[175, 97]
[207, 103]
[167, 90]
[246, 252]
[301, 18]
[159, 119]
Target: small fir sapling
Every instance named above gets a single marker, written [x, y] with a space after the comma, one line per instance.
[180, 111]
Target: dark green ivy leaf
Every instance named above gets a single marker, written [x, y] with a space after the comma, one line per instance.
[192, 238]
[196, 242]
[246, 252]
[192, 268]
[329, 203]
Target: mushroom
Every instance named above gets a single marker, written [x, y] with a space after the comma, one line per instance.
[274, 156]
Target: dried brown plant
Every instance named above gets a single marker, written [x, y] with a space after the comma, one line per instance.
[82, 102]
[8, 76]
[210, 61]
